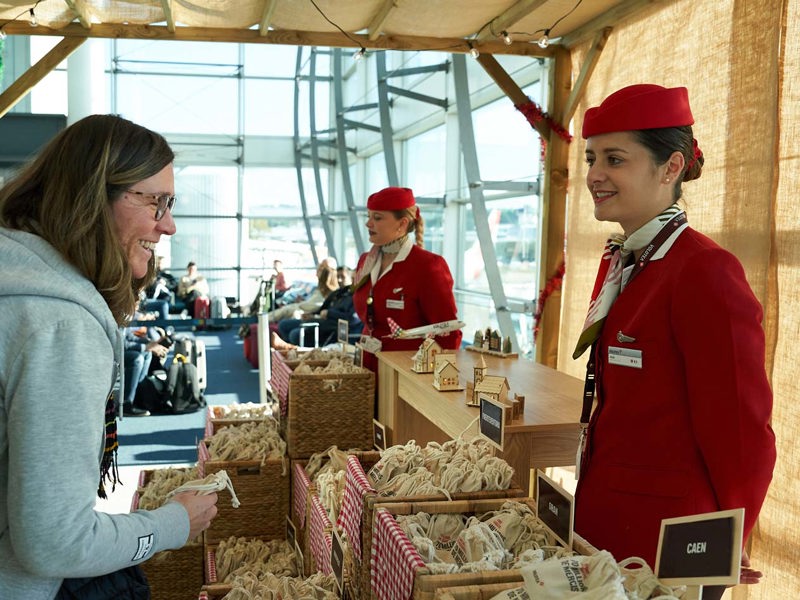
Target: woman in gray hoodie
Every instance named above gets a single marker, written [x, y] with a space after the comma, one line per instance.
[78, 227]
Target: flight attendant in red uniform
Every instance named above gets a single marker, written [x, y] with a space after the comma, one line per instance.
[681, 424]
[398, 279]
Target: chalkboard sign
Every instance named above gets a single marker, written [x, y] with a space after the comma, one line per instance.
[378, 435]
[343, 332]
[492, 420]
[703, 549]
[555, 508]
[358, 357]
[337, 559]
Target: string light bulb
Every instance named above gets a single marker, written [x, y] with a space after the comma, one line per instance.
[33, 20]
[473, 51]
[544, 41]
[360, 53]
[507, 38]
[2, 34]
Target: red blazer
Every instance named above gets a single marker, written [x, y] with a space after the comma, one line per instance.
[689, 432]
[423, 286]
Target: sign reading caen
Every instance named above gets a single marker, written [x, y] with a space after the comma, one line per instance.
[491, 422]
[703, 549]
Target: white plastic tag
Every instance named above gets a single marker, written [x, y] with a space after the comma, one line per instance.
[625, 357]
[395, 304]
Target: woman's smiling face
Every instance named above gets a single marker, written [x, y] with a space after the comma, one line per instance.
[135, 222]
[627, 186]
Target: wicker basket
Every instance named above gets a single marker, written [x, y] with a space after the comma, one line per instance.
[282, 369]
[263, 491]
[426, 585]
[372, 501]
[327, 409]
[303, 493]
[172, 574]
[214, 424]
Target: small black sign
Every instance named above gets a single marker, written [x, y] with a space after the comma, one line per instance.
[555, 508]
[701, 549]
[378, 435]
[492, 420]
[343, 332]
[337, 559]
[358, 357]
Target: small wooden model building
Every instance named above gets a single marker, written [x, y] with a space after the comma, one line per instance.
[490, 342]
[425, 358]
[445, 373]
[494, 386]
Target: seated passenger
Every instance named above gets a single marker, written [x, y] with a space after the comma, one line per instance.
[139, 352]
[191, 287]
[326, 283]
[338, 305]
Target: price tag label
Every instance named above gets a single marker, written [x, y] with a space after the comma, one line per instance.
[343, 332]
[492, 420]
[555, 507]
[337, 559]
[378, 435]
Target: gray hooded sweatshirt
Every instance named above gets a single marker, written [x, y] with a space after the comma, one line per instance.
[59, 351]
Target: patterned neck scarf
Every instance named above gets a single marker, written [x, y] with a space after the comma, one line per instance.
[608, 283]
[108, 464]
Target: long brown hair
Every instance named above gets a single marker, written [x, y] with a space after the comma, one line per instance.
[65, 197]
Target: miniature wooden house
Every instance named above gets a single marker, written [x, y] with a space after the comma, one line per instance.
[425, 358]
[445, 373]
[494, 386]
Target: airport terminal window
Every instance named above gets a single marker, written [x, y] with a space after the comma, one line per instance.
[269, 107]
[270, 192]
[425, 163]
[172, 104]
[206, 190]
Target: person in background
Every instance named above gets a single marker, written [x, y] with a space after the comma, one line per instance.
[338, 305]
[682, 420]
[78, 227]
[398, 279]
[139, 352]
[326, 283]
[279, 278]
[191, 287]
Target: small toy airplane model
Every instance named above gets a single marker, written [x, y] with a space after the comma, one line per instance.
[432, 330]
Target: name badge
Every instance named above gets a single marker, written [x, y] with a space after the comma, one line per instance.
[625, 357]
[395, 304]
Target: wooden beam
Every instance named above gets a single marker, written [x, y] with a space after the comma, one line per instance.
[554, 213]
[166, 5]
[84, 20]
[511, 16]
[589, 63]
[17, 90]
[266, 17]
[509, 87]
[607, 19]
[376, 24]
[331, 39]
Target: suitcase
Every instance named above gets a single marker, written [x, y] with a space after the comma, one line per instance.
[219, 308]
[195, 351]
[202, 308]
[251, 346]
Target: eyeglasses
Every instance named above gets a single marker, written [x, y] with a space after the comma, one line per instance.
[165, 202]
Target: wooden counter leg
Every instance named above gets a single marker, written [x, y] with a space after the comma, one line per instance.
[517, 454]
[387, 400]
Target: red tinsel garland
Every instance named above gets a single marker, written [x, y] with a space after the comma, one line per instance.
[535, 114]
[553, 284]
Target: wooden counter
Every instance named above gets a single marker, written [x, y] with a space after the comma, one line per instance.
[547, 435]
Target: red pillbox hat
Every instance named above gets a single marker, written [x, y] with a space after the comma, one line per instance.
[391, 198]
[642, 106]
